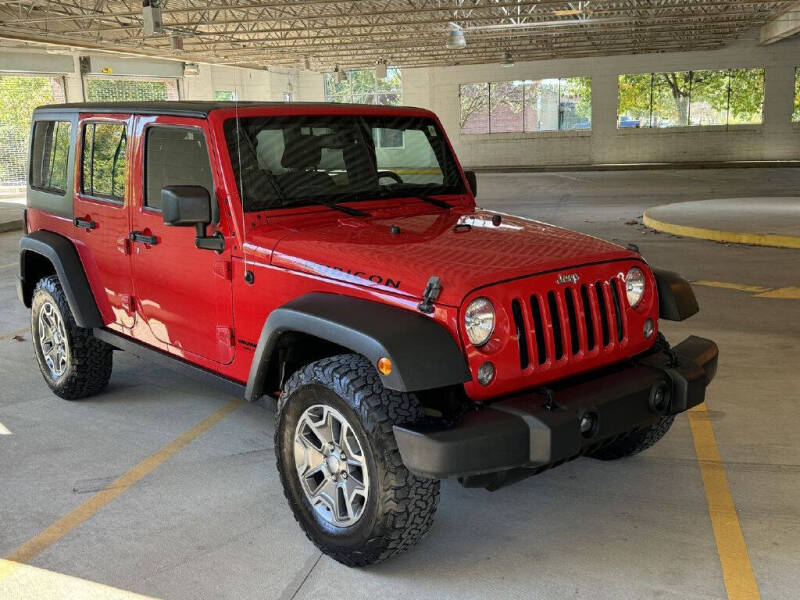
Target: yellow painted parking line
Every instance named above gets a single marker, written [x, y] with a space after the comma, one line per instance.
[786, 293]
[67, 523]
[32, 583]
[4, 430]
[737, 572]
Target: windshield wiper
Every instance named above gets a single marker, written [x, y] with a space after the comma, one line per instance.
[434, 201]
[349, 210]
[419, 196]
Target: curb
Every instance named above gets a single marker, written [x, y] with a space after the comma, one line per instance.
[6, 226]
[716, 235]
[659, 166]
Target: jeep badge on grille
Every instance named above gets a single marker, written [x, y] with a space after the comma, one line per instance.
[568, 278]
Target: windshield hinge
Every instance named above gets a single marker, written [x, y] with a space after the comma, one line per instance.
[432, 290]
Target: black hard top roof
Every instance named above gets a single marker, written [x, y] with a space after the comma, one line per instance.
[183, 108]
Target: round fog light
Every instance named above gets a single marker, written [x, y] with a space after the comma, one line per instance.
[648, 328]
[486, 373]
[660, 398]
[587, 424]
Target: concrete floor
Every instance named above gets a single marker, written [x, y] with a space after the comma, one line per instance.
[211, 522]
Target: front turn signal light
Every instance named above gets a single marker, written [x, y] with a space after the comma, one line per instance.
[384, 365]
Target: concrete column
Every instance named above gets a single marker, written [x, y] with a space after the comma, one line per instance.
[604, 116]
[778, 98]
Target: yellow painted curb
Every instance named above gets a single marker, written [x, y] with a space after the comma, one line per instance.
[736, 237]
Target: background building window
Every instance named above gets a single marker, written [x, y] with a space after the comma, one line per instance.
[532, 105]
[362, 87]
[113, 89]
[19, 95]
[690, 98]
[796, 113]
[225, 96]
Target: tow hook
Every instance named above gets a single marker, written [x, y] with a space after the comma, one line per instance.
[432, 290]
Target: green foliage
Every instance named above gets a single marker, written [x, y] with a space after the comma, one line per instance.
[692, 97]
[20, 95]
[107, 90]
[363, 87]
[104, 152]
[796, 114]
[474, 99]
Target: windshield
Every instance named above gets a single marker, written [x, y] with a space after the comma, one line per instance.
[295, 161]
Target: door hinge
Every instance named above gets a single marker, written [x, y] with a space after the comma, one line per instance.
[128, 303]
[222, 268]
[124, 246]
[225, 335]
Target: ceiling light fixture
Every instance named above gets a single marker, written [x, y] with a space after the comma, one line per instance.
[176, 43]
[567, 13]
[339, 75]
[380, 69]
[455, 37]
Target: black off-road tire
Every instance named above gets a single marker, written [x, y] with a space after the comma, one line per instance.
[400, 507]
[635, 442]
[90, 360]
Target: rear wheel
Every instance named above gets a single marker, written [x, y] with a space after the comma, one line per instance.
[635, 442]
[339, 463]
[73, 362]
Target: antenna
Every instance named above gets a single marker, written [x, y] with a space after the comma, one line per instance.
[248, 274]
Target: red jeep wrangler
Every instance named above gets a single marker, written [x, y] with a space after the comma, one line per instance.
[332, 257]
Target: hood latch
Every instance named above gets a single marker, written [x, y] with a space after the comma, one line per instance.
[432, 290]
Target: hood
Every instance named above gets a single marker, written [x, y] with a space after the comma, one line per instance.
[464, 249]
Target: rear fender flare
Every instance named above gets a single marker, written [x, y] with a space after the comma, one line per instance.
[423, 353]
[68, 267]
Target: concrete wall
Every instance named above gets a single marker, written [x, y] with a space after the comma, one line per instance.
[437, 88]
[248, 84]
[775, 139]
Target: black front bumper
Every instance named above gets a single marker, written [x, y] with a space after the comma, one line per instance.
[527, 433]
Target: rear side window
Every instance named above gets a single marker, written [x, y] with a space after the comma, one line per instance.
[50, 155]
[104, 160]
[175, 156]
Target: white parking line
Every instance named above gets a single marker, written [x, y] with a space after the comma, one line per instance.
[4, 430]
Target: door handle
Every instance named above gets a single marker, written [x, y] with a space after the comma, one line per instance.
[84, 223]
[138, 236]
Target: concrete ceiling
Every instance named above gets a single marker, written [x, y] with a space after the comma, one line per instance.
[321, 34]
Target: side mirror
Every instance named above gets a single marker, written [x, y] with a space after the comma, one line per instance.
[472, 180]
[186, 205]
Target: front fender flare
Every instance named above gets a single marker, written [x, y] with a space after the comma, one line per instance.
[423, 353]
[65, 260]
[676, 300]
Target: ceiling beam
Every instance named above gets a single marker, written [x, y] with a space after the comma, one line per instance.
[782, 26]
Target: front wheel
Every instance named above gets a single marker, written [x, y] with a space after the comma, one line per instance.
[635, 442]
[339, 463]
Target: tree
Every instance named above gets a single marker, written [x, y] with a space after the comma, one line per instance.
[670, 99]
[474, 99]
[20, 95]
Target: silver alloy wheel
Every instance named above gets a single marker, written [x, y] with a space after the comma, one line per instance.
[331, 465]
[53, 340]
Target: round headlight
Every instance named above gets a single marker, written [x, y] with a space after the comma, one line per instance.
[479, 321]
[634, 286]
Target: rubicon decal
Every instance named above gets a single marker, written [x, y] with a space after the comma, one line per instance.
[379, 279]
[567, 278]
